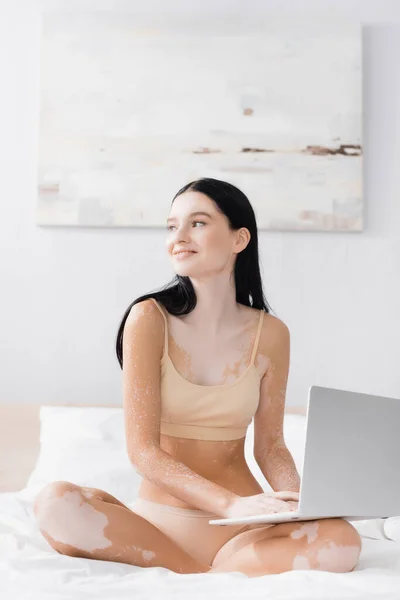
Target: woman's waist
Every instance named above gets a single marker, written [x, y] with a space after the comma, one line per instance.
[238, 480]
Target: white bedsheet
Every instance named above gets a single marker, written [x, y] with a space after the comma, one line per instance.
[30, 569]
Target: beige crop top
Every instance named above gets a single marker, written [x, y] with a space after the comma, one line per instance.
[207, 412]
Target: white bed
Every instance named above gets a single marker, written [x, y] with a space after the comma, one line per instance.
[86, 445]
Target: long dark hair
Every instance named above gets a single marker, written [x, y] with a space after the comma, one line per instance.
[178, 296]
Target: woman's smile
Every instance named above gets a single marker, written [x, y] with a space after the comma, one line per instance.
[184, 254]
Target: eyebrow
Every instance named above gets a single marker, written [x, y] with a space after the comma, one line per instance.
[193, 214]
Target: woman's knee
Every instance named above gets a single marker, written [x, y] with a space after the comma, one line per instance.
[339, 546]
[68, 520]
[44, 508]
[55, 489]
[340, 530]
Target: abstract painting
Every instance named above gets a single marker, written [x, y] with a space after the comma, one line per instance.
[129, 114]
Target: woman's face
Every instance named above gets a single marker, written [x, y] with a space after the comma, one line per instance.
[207, 238]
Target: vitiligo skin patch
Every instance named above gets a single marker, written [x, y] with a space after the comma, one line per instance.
[323, 551]
[331, 557]
[70, 519]
[300, 563]
[307, 529]
[336, 557]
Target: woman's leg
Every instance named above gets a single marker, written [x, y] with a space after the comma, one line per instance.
[90, 523]
[325, 545]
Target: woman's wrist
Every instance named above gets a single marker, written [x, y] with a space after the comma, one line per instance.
[229, 501]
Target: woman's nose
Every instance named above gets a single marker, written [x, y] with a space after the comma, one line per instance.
[181, 235]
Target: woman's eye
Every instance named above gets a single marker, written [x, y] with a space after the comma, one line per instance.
[170, 227]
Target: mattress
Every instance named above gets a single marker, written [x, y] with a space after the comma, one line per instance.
[31, 569]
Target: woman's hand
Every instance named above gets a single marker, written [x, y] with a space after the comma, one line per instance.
[267, 502]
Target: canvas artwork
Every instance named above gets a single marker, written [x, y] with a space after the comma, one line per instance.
[129, 114]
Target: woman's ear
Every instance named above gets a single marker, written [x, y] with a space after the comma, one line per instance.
[242, 239]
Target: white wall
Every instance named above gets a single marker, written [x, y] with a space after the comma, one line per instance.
[63, 291]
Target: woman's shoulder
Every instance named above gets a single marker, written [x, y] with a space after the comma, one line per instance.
[271, 323]
[274, 333]
[145, 311]
[144, 330]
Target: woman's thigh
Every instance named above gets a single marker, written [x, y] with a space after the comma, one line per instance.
[90, 523]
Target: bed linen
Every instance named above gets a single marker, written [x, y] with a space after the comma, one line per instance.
[31, 569]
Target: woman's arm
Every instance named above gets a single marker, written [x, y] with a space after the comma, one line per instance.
[270, 451]
[183, 483]
[143, 343]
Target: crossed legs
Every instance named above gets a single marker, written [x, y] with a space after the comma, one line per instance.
[90, 523]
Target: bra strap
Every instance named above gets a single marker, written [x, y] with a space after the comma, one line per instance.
[165, 325]
[260, 322]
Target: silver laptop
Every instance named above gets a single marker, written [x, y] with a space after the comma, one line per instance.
[351, 460]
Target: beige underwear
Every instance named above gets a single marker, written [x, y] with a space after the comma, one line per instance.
[188, 528]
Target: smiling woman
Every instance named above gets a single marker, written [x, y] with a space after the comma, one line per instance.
[200, 359]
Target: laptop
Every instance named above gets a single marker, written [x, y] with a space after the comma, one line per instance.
[351, 460]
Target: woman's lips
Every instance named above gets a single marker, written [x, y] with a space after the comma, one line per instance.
[185, 254]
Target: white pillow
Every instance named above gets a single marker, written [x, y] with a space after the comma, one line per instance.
[86, 445]
[391, 528]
